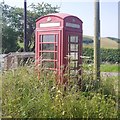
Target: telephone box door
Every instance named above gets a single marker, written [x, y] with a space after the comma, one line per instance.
[48, 50]
[74, 52]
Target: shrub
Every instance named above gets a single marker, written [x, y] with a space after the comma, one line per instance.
[107, 55]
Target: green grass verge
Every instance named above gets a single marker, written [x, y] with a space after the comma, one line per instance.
[110, 68]
[105, 67]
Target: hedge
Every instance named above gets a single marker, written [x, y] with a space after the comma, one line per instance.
[107, 55]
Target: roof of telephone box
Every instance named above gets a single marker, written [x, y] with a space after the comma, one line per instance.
[60, 15]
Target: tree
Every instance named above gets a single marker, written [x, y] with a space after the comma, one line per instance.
[13, 18]
[9, 37]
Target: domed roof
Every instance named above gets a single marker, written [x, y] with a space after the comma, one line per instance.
[60, 15]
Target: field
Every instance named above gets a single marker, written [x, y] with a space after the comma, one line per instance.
[24, 96]
[106, 42]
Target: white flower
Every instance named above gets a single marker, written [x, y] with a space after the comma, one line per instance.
[63, 113]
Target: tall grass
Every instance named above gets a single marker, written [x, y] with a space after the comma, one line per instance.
[24, 96]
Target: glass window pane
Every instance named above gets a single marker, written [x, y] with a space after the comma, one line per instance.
[73, 64]
[73, 47]
[47, 64]
[56, 39]
[74, 55]
[74, 39]
[46, 55]
[48, 38]
[47, 46]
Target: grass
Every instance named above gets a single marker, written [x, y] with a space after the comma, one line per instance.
[110, 68]
[109, 43]
[106, 67]
[21, 44]
[0, 93]
[24, 96]
[106, 42]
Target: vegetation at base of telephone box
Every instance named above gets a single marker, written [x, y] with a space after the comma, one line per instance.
[24, 96]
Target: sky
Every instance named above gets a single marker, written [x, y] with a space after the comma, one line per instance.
[85, 11]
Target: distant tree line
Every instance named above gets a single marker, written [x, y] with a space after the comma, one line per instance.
[87, 40]
[12, 32]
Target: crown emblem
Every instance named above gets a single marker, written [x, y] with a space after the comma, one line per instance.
[49, 19]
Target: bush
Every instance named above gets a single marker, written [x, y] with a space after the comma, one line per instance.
[107, 55]
[24, 96]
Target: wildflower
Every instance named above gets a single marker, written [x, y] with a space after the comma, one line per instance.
[53, 88]
[63, 113]
[89, 65]
[59, 91]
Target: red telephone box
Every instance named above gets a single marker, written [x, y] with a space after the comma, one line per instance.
[57, 36]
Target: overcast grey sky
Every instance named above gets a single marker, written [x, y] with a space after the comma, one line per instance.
[85, 11]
